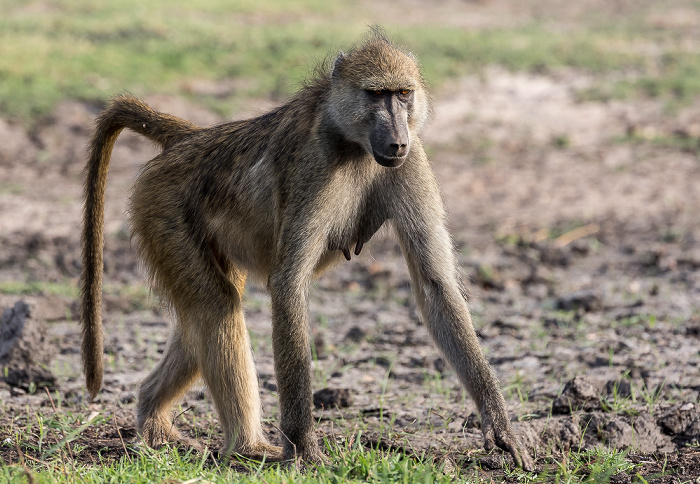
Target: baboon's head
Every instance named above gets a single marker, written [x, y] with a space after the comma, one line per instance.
[378, 99]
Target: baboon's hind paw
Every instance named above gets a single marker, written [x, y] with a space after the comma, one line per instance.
[157, 432]
[263, 451]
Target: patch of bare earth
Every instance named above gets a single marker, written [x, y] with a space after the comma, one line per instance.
[582, 251]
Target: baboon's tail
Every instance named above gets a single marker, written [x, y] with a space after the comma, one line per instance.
[122, 112]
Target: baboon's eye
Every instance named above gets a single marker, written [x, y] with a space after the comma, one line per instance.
[376, 92]
[405, 92]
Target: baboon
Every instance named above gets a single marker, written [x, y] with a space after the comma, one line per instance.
[281, 198]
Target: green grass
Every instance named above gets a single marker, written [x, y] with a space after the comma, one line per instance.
[672, 141]
[91, 50]
[139, 296]
[172, 465]
[20, 288]
[456, 52]
[592, 465]
[54, 450]
[60, 461]
[348, 463]
[675, 76]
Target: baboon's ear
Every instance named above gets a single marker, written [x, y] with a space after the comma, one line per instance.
[336, 65]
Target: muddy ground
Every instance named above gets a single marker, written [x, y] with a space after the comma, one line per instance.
[578, 235]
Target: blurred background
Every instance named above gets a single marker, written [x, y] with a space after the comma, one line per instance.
[566, 137]
[221, 53]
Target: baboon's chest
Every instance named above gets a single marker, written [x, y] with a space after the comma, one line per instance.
[356, 227]
[347, 241]
[361, 232]
[354, 207]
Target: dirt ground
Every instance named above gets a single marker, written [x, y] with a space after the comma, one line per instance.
[581, 244]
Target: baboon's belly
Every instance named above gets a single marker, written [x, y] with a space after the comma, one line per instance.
[249, 244]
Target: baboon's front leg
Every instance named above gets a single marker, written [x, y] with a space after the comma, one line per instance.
[292, 350]
[428, 251]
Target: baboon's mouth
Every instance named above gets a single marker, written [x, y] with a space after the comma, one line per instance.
[389, 161]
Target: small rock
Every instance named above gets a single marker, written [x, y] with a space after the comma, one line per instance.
[554, 256]
[383, 361]
[640, 433]
[621, 478]
[564, 433]
[414, 362]
[356, 334]
[332, 398]
[587, 301]
[17, 392]
[651, 258]
[580, 393]
[473, 421]
[678, 419]
[619, 388]
[25, 351]
[493, 462]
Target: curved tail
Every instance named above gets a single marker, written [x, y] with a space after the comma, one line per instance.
[122, 112]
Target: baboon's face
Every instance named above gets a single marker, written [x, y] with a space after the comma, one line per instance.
[388, 135]
[378, 100]
[381, 120]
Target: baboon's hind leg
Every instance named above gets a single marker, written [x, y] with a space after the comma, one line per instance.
[225, 359]
[171, 377]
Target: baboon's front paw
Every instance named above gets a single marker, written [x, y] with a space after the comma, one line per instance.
[506, 439]
[313, 458]
[307, 454]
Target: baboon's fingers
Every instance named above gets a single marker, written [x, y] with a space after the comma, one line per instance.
[489, 441]
[506, 440]
[346, 253]
[358, 247]
[521, 457]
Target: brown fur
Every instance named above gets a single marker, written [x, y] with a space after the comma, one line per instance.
[281, 197]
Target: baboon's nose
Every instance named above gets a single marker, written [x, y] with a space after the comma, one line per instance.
[398, 148]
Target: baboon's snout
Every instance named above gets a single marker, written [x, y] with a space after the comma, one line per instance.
[390, 145]
[398, 146]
